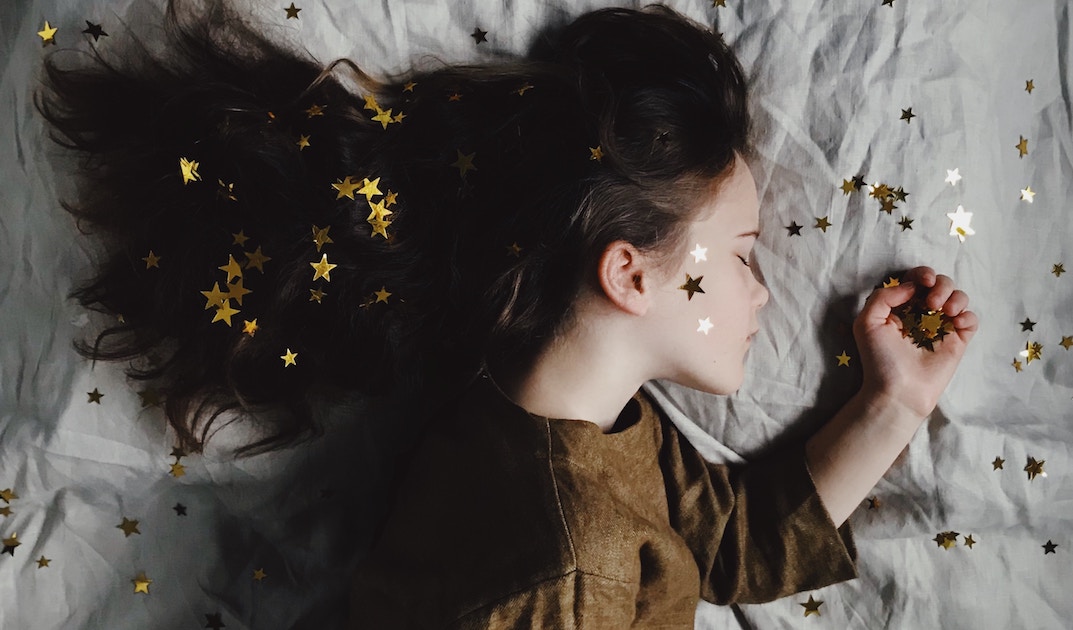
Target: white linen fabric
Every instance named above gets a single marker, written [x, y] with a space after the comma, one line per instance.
[829, 82]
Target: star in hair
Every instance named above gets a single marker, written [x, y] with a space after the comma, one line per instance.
[692, 285]
[323, 268]
[152, 260]
[843, 359]
[94, 30]
[188, 168]
[290, 358]
[597, 153]
[48, 34]
[346, 188]
[464, 163]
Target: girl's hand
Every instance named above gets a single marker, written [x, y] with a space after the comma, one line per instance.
[894, 367]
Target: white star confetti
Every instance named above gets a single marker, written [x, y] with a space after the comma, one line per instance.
[959, 223]
[699, 253]
[705, 325]
[1027, 194]
[953, 177]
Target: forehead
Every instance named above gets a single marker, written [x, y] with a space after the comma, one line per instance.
[731, 206]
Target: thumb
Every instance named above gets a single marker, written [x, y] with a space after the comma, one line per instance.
[878, 306]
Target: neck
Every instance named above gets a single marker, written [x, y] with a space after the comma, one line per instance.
[577, 380]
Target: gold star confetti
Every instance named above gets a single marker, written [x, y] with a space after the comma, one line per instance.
[225, 312]
[177, 470]
[409, 87]
[259, 574]
[1032, 351]
[1067, 341]
[382, 295]
[692, 286]
[95, 396]
[454, 97]
[464, 163]
[719, 3]
[514, 250]
[369, 188]
[240, 238]
[47, 34]
[847, 186]
[959, 223]
[1016, 365]
[10, 544]
[383, 117]
[880, 191]
[315, 110]
[346, 188]
[1022, 146]
[371, 104]
[812, 607]
[188, 170]
[323, 268]
[8, 495]
[1058, 270]
[699, 253]
[596, 153]
[316, 295]
[522, 90]
[823, 224]
[843, 359]
[1029, 86]
[129, 527]
[42, 562]
[1049, 547]
[906, 223]
[303, 142]
[1027, 194]
[946, 540]
[141, 584]
[997, 464]
[969, 542]
[250, 328]
[873, 503]
[227, 191]
[256, 260]
[320, 236]
[215, 297]
[152, 260]
[1034, 468]
[907, 114]
[233, 269]
[237, 291]
[705, 325]
[290, 358]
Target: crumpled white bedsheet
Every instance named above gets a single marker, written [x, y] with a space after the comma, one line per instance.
[829, 83]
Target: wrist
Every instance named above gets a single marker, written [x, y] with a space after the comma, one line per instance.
[888, 410]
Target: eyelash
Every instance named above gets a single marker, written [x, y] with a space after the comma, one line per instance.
[744, 262]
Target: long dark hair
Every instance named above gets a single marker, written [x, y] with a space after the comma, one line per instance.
[493, 189]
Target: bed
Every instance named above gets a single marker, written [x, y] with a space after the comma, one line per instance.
[891, 133]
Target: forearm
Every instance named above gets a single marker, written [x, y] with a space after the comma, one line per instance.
[855, 448]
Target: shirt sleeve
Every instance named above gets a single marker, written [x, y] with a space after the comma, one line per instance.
[758, 532]
[575, 600]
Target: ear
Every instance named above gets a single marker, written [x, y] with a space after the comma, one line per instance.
[626, 277]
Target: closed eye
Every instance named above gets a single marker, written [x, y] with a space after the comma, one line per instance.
[743, 261]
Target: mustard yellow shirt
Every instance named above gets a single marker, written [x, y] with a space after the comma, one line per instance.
[506, 519]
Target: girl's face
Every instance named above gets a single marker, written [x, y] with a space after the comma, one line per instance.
[704, 338]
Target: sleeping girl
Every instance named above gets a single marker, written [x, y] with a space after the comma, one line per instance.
[503, 253]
